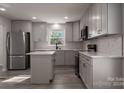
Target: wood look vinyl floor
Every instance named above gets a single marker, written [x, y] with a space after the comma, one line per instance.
[65, 78]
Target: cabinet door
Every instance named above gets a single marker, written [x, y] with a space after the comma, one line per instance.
[82, 68]
[81, 23]
[84, 72]
[90, 22]
[69, 31]
[104, 18]
[89, 75]
[87, 17]
[39, 32]
[115, 18]
[99, 19]
[25, 26]
[94, 19]
[59, 58]
[76, 31]
[69, 58]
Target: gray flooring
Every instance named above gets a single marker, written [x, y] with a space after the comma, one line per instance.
[65, 78]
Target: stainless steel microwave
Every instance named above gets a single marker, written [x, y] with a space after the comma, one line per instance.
[84, 33]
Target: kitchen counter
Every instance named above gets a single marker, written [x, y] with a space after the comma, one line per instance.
[96, 68]
[58, 50]
[41, 53]
[99, 55]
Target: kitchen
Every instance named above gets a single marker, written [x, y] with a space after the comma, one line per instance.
[72, 46]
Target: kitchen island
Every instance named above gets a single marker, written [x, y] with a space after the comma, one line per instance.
[42, 66]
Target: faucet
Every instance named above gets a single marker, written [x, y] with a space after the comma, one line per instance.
[57, 46]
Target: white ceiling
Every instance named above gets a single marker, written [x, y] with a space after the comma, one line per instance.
[48, 12]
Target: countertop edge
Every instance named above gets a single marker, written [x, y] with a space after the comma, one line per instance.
[90, 54]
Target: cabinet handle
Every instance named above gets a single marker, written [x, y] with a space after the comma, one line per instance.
[84, 65]
[87, 59]
[99, 31]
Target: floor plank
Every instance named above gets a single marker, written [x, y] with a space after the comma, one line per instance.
[65, 78]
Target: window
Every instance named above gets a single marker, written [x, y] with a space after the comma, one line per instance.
[56, 37]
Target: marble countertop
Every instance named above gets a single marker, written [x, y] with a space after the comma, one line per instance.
[99, 55]
[41, 53]
[58, 50]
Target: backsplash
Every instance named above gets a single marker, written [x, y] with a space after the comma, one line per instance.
[109, 44]
[69, 45]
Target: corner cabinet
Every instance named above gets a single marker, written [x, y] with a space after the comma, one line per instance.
[65, 57]
[69, 57]
[59, 57]
[100, 72]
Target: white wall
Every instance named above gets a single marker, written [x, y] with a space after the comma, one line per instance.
[6, 26]
[40, 44]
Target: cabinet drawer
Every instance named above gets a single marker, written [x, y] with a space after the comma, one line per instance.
[85, 59]
[84, 56]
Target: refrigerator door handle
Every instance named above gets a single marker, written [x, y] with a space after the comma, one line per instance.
[7, 43]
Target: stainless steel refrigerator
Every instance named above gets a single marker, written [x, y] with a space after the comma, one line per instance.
[17, 47]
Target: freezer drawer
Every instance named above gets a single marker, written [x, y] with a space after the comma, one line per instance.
[17, 62]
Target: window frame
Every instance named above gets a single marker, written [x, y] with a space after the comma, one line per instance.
[49, 38]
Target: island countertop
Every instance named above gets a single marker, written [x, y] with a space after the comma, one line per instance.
[41, 53]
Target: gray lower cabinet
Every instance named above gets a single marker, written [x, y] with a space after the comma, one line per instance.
[65, 57]
[101, 72]
[59, 58]
[69, 58]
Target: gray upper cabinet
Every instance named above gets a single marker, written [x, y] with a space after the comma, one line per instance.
[25, 26]
[114, 18]
[39, 31]
[90, 22]
[73, 31]
[76, 31]
[103, 19]
[98, 19]
[69, 31]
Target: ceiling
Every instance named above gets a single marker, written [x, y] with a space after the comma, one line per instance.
[48, 12]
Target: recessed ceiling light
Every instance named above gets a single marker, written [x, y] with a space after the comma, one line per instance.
[2, 9]
[66, 17]
[34, 17]
[56, 25]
